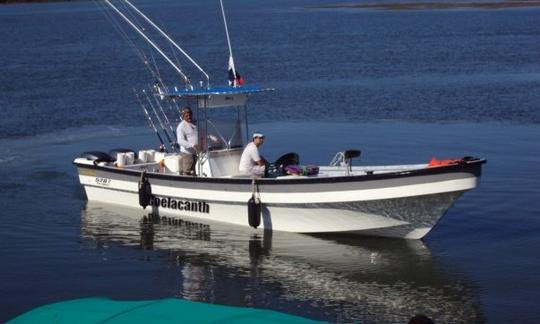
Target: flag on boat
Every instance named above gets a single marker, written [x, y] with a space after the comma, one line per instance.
[235, 79]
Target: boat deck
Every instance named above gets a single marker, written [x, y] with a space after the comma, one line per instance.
[324, 171]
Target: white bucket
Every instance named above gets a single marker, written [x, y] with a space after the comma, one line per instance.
[150, 155]
[143, 157]
[173, 163]
[121, 159]
[130, 158]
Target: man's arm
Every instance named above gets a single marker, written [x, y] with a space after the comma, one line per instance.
[259, 160]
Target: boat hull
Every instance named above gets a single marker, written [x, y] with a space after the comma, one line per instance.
[399, 204]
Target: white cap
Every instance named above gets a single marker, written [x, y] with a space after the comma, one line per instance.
[255, 135]
[185, 110]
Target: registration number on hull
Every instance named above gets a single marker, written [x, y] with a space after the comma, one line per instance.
[103, 181]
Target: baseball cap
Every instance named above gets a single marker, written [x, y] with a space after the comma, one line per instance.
[186, 109]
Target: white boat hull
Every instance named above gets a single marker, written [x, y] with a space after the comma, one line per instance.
[404, 204]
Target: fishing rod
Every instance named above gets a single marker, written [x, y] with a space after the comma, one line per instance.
[158, 89]
[163, 128]
[167, 122]
[143, 35]
[170, 40]
[150, 122]
[172, 105]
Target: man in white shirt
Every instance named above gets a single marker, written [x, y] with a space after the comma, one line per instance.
[188, 139]
[251, 162]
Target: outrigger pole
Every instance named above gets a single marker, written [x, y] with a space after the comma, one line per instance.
[231, 59]
[186, 79]
[171, 41]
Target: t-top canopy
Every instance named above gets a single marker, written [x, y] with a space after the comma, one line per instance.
[218, 97]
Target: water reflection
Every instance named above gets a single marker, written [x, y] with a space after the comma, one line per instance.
[330, 278]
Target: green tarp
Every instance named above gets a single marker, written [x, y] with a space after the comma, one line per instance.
[102, 310]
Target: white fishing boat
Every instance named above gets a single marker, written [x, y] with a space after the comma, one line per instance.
[404, 201]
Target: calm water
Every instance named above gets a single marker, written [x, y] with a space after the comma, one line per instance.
[403, 86]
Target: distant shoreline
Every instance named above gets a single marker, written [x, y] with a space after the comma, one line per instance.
[437, 5]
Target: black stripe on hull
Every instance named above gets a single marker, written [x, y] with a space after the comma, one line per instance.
[474, 168]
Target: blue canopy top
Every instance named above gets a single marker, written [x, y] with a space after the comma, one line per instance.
[216, 91]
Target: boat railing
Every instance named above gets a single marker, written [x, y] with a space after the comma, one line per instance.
[337, 160]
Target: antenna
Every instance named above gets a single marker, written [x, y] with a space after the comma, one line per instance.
[231, 59]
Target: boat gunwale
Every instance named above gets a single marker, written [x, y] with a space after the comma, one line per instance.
[473, 167]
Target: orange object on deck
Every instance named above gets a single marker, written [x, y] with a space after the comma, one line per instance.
[437, 163]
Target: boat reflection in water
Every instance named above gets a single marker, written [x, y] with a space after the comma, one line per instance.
[335, 279]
